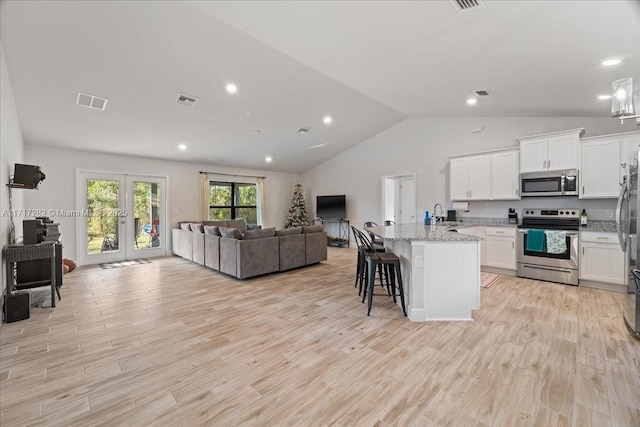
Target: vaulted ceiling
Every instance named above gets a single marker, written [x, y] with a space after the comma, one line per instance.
[366, 64]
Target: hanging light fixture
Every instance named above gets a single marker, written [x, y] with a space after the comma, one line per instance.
[622, 100]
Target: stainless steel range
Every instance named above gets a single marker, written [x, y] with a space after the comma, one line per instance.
[543, 264]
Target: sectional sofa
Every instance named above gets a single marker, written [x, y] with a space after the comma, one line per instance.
[242, 251]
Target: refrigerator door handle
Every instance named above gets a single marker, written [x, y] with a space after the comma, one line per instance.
[621, 237]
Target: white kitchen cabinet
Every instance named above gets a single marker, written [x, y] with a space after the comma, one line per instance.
[501, 247]
[477, 231]
[470, 178]
[505, 176]
[600, 167]
[601, 258]
[552, 151]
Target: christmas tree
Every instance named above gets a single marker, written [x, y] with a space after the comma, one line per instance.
[297, 214]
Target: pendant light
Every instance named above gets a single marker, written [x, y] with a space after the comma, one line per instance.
[622, 100]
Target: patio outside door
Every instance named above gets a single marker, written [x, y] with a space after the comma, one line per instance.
[123, 217]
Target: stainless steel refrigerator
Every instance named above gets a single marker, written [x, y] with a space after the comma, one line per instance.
[627, 227]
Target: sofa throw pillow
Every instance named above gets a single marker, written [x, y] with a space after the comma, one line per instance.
[259, 234]
[289, 231]
[185, 226]
[198, 228]
[307, 229]
[213, 230]
[237, 223]
[231, 233]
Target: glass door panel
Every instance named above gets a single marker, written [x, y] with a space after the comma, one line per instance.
[148, 215]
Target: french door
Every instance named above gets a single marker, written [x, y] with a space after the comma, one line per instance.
[123, 217]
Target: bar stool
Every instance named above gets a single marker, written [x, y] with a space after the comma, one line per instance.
[361, 263]
[391, 264]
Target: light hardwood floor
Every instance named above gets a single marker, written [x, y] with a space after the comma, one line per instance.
[173, 343]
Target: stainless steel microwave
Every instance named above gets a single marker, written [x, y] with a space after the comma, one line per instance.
[552, 183]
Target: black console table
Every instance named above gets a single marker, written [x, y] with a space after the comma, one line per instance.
[44, 267]
[342, 239]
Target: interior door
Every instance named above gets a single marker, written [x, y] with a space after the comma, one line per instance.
[124, 217]
[407, 200]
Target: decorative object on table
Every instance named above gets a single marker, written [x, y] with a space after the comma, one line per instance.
[109, 265]
[488, 279]
[427, 218]
[583, 218]
[513, 216]
[297, 214]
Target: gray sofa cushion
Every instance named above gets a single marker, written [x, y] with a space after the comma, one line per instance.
[198, 228]
[240, 224]
[212, 251]
[292, 250]
[212, 230]
[231, 233]
[186, 226]
[257, 256]
[216, 223]
[289, 231]
[259, 234]
[306, 229]
[315, 247]
[197, 251]
[182, 243]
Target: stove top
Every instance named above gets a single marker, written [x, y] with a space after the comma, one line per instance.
[551, 219]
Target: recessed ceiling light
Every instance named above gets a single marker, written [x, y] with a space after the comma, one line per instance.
[268, 159]
[327, 120]
[604, 96]
[610, 62]
[182, 147]
[231, 88]
[472, 101]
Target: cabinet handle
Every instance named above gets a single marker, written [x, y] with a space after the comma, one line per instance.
[544, 164]
[583, 190]
[513, 245]
[583, 250]
[548, 164]
[516, 191]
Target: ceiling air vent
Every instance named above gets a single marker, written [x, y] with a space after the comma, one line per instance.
[482, 93]
[186, 100]
[302, 131]
[90, 101]
[466, 5]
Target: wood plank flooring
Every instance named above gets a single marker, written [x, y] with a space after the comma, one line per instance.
[172, 343]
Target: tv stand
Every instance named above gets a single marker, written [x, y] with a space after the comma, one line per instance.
[342, 238]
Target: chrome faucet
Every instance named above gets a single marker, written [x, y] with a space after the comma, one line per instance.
[435, 212]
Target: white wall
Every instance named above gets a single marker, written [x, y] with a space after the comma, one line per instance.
[421, 145]
[59, 188]
[11, 152]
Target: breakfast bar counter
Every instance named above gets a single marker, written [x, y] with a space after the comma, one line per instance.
[440, 270]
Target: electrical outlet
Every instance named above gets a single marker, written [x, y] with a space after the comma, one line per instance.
[417, 261]
[610, 213]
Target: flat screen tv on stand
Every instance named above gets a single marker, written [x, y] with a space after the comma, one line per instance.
[331, 207]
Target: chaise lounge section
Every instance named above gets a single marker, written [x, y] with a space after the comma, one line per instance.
[233, 248]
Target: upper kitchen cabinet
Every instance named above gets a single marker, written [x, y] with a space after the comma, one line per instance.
[551, 151]
[470, 178]
[506, 175]
[600, 166]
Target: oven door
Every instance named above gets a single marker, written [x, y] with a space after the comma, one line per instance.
[568, 259]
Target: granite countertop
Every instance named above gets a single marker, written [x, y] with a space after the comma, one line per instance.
[422, 233]
[595, 225]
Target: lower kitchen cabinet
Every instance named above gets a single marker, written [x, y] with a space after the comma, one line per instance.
[602, 261]
[501, 247]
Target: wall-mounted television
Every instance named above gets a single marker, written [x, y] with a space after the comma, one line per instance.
[331, 207]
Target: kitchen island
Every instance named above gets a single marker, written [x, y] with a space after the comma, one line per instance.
[440, 270]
